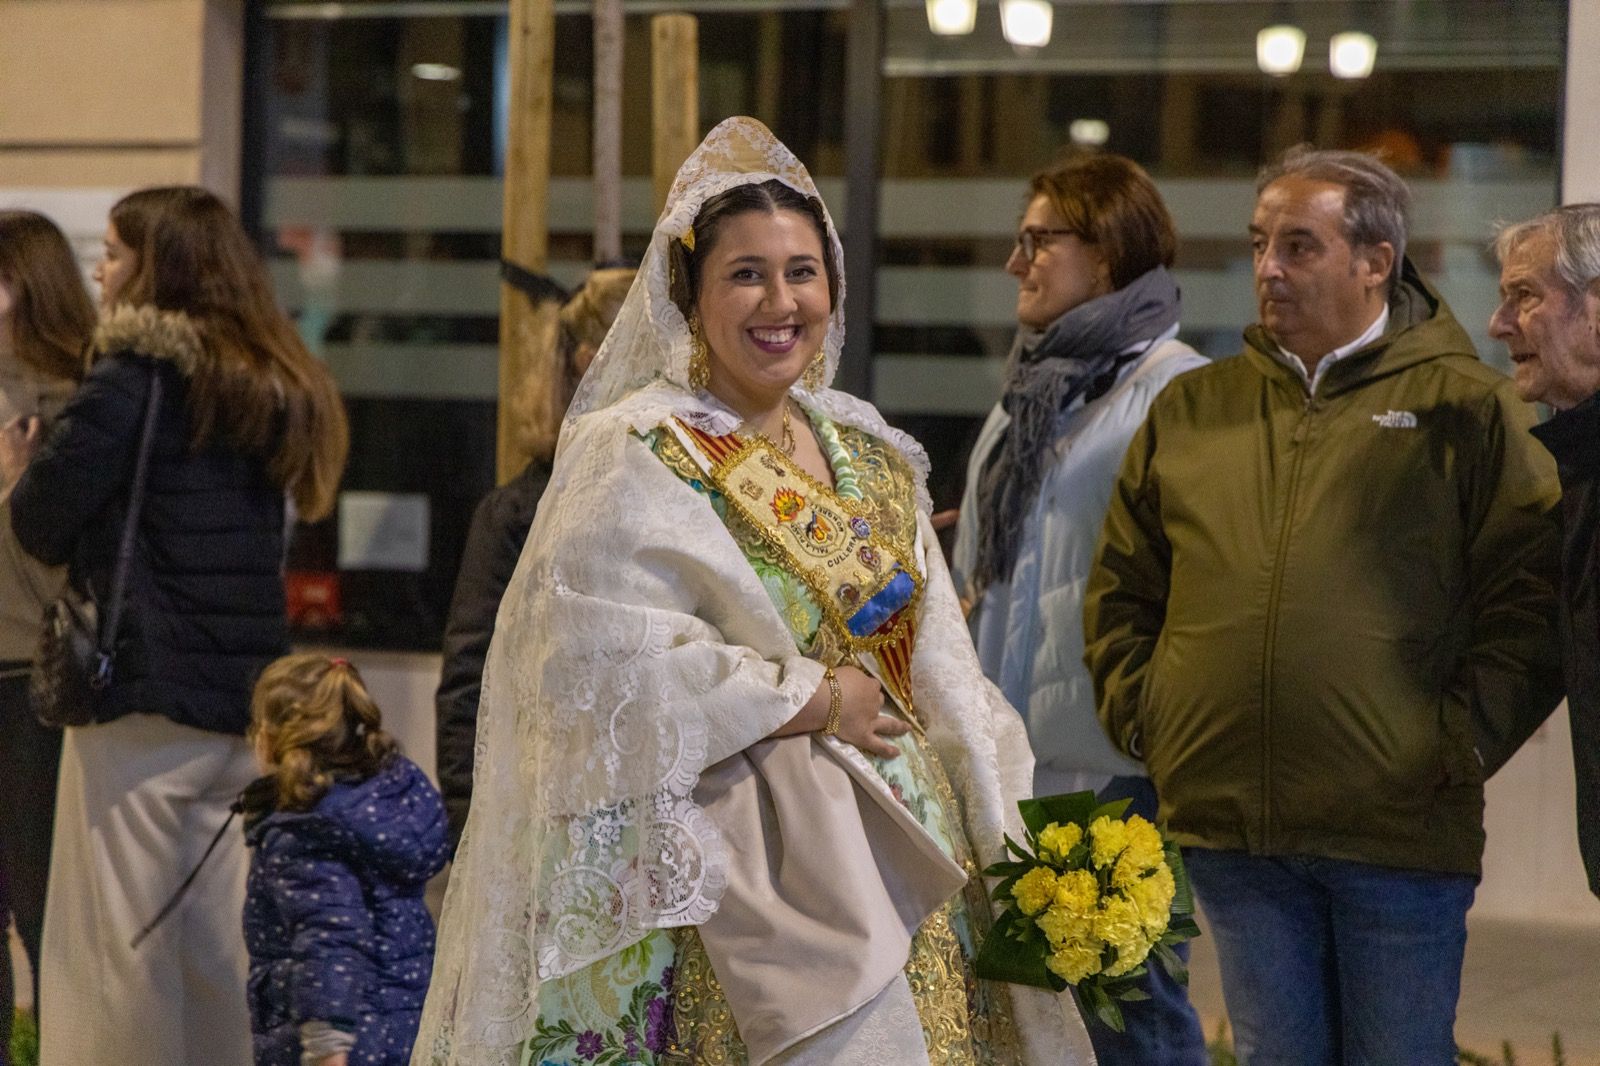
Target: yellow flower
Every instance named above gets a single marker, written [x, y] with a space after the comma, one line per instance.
[1077, 892]
[1127, 872]
[1129, 956]
[1074, 961]
[1060, 838]
[1034, 889]
[1153, 897]
[1144, 843]
[1118, 923]
[1107, 838]
[1059, 925]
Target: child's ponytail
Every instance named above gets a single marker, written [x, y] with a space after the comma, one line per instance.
[313, 718]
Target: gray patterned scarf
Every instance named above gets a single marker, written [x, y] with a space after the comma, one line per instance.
[1079, 355]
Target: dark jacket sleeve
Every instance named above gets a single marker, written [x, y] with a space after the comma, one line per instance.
[1125, 601]
[85, 461]
[1510, 677]
[494, 544]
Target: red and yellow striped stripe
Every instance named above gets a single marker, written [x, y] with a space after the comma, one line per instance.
[894, 660]
[717, 449]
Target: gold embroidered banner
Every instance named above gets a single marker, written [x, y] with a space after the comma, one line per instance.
[864, 584]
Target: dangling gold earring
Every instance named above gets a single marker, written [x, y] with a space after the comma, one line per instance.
[699, 358]
[812, 378]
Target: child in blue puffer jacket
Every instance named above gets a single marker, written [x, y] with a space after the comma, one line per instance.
[345, 833]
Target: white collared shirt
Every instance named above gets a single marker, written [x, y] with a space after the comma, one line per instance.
[1295, 363]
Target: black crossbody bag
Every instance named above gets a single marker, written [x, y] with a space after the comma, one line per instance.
[77, 644]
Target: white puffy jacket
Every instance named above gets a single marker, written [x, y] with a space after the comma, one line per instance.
[1029, 630]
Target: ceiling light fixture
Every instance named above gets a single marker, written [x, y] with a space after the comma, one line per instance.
[1352, 55]
[1094, 132]
[1026, 23]
[952, 18]
[1279, 50]
[435, 71]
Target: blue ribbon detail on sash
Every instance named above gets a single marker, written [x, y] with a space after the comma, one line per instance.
[884, 605]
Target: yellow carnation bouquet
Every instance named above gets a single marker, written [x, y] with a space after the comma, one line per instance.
[1089, 898]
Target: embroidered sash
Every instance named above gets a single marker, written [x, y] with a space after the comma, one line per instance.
[863, 581]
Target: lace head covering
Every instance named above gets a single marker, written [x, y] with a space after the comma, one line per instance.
[644, 362]
[650, 339]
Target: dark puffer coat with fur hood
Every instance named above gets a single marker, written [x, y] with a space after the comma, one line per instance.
[205, 610]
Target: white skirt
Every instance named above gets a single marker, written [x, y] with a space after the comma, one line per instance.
[138, 801]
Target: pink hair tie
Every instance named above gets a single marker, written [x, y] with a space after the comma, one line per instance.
[339, 662]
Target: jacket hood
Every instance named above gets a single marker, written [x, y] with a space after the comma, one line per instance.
[1421, 329]
[392, 822]
[149, 331]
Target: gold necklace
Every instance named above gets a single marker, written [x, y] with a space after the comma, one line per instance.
[788, 434]
[785, 442]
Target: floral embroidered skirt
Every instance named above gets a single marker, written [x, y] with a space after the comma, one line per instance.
[658, 1002]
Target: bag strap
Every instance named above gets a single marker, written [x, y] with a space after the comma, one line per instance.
[130, 528]
[183, 889]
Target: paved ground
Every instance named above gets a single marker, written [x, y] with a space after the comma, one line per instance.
[1523, 981]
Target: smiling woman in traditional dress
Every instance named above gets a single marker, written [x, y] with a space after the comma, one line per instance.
[737, 764]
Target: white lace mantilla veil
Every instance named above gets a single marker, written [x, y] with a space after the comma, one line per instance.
[633, 648]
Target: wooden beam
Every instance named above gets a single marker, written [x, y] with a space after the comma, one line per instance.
[525, 237]
[862, 132]
[675, 96]
[608, 52]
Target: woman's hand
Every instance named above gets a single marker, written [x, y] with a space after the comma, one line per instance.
[861, 718]
[341, 1059]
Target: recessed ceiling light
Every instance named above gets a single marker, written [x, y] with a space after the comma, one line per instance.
[435, 71]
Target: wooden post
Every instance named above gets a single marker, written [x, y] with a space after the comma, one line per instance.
[525, 240]
[675, 96]
[607, 130]
[862, 132]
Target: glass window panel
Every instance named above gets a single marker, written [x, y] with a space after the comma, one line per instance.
[378, 160]
[378, 171]
[1464, 102]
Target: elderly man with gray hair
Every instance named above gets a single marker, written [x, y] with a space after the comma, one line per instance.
[1549, 319]
[1322, 613]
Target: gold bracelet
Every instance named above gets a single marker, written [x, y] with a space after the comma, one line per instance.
[835, 702]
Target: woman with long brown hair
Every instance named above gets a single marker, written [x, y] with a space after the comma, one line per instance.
[245, 418]
[46, 318]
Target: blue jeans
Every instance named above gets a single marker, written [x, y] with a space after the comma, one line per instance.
[1164, 1029]
[1333, 963]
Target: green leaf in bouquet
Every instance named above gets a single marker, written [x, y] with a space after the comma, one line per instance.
[1002, 891]
[1180, 927]
[1183, 897]
[1007, 868]
[1133, 995]
[1014, 951]
[1123, 986]
[1100, 1004]
[1114, 809]
[1040, 811]
[1170, 961]
[1019, 851]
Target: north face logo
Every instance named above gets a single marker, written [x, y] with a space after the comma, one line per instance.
[1396, 420]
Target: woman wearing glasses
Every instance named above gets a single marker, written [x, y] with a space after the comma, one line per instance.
[1097, 326]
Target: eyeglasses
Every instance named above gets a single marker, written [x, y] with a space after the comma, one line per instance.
[1029, 242]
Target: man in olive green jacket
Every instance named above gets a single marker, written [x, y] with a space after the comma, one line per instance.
[1323, 612]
